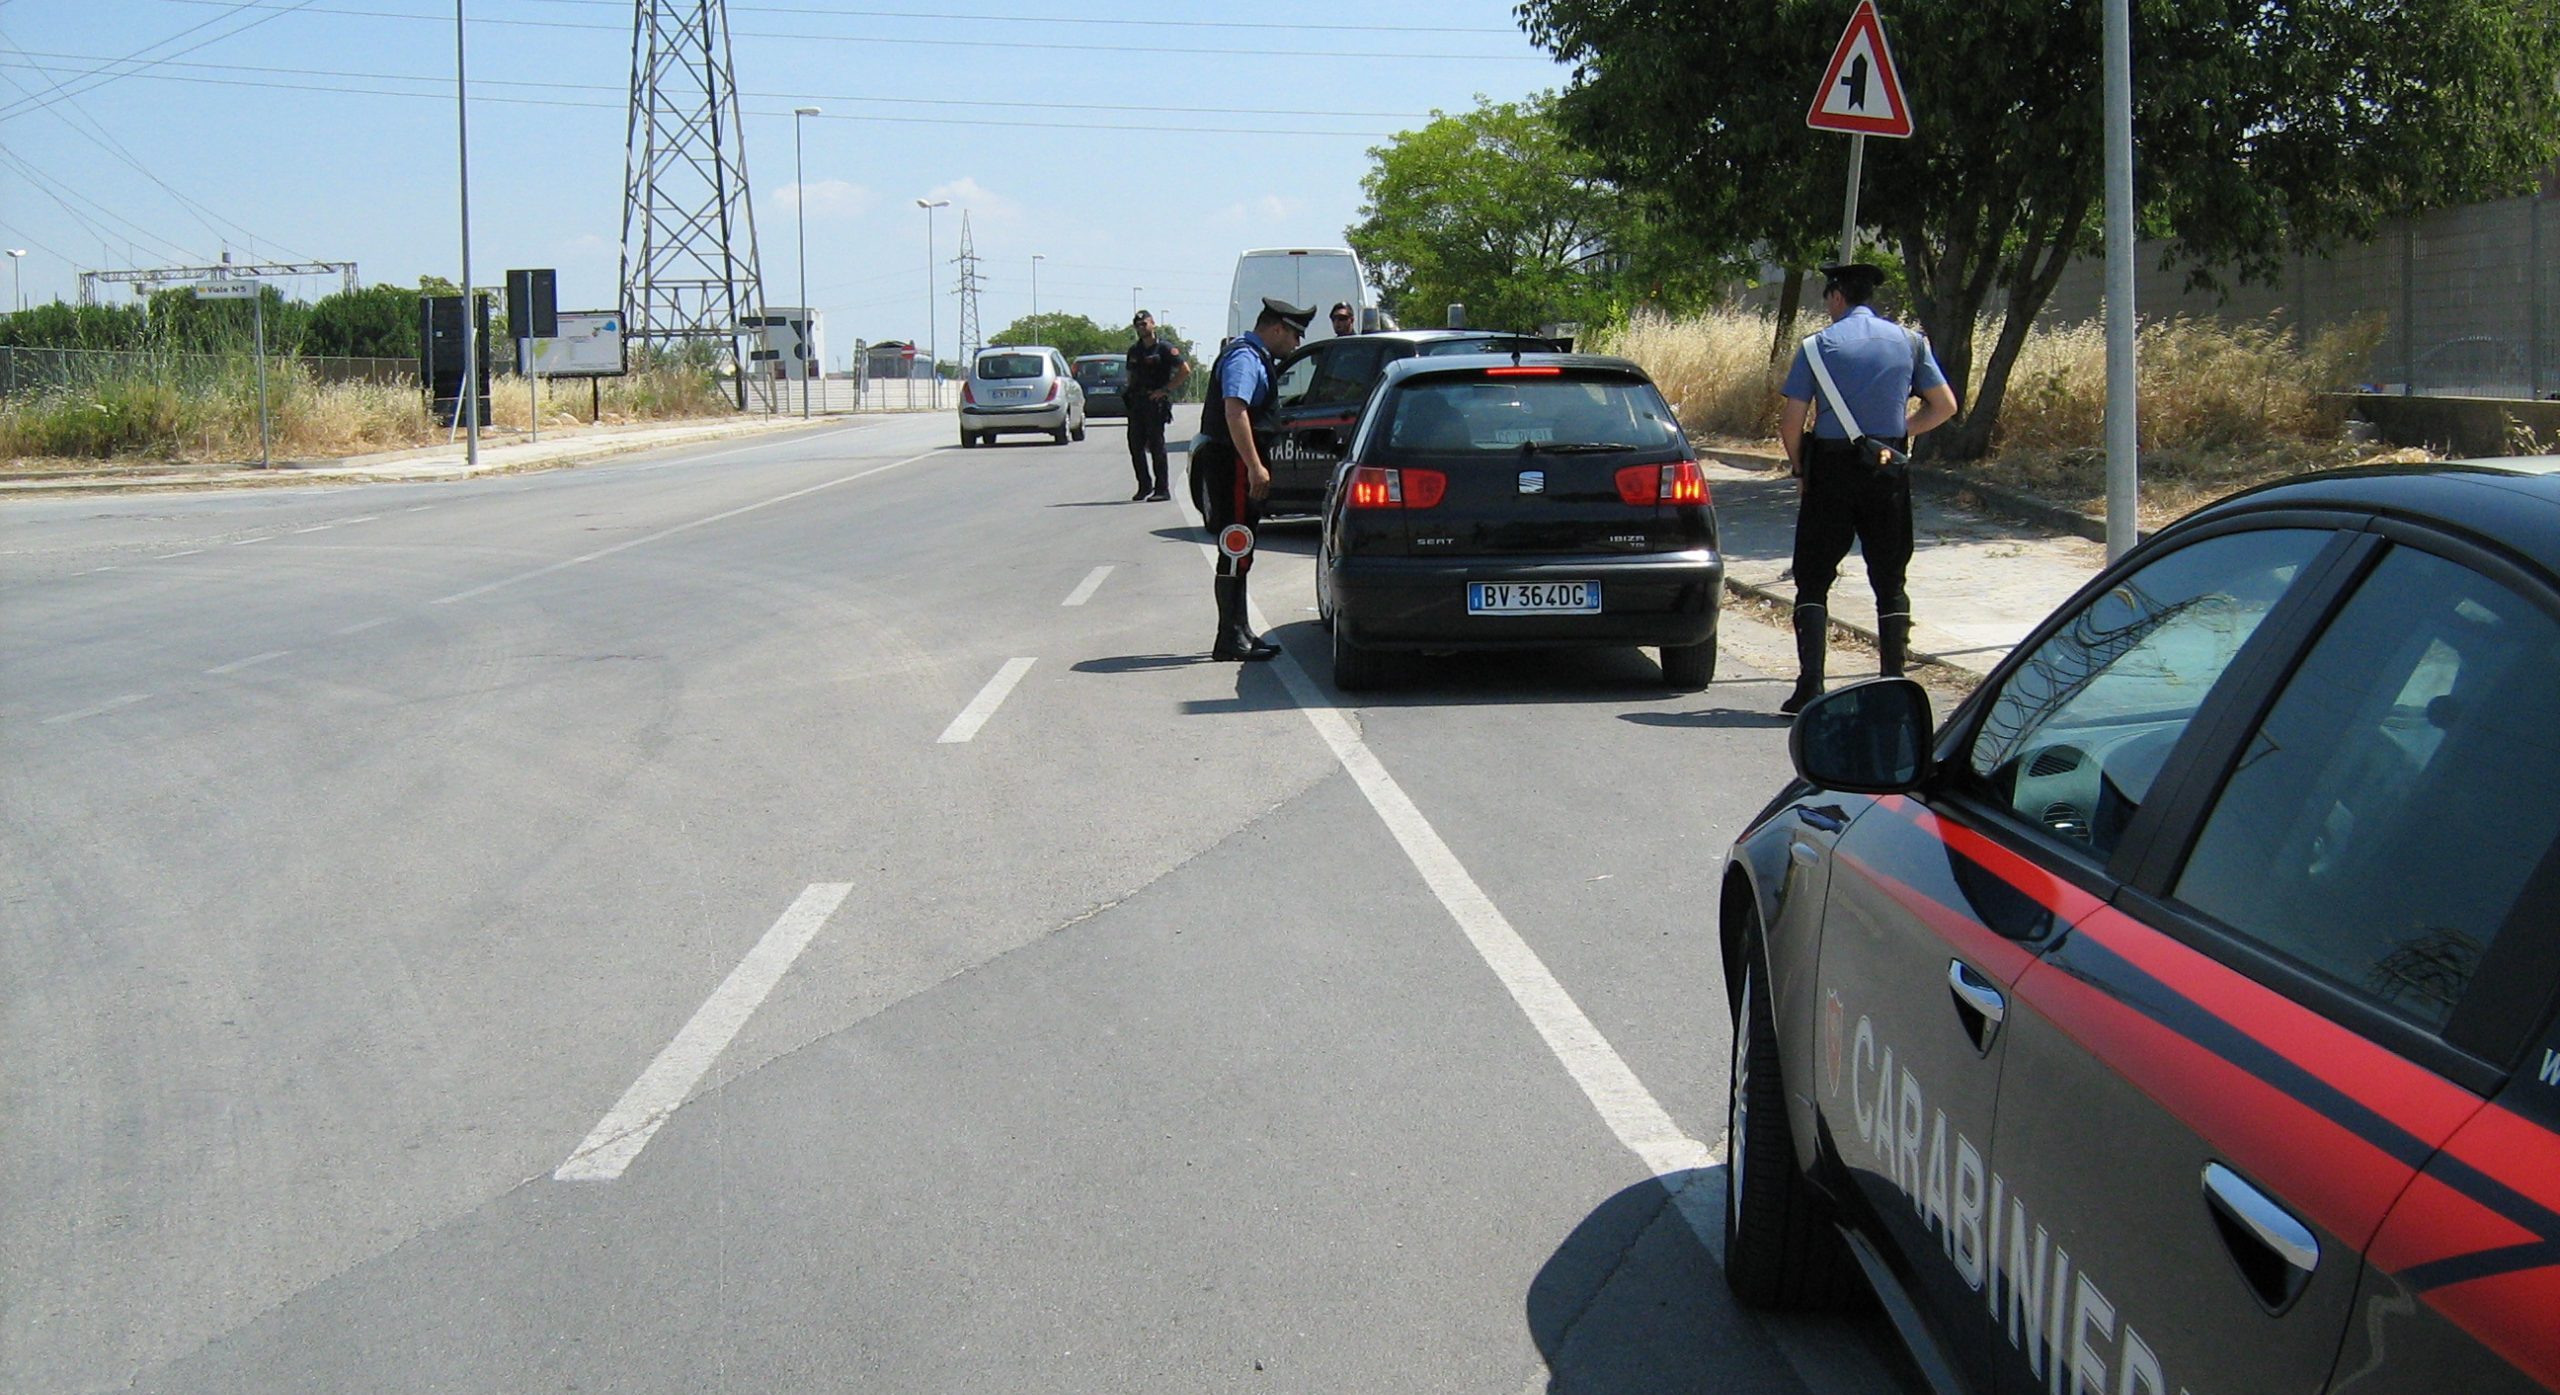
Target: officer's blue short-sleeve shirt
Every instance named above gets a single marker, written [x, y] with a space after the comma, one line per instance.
[1870, 358]
[1241, 375]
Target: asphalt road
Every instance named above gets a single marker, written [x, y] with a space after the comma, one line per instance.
[804, 915]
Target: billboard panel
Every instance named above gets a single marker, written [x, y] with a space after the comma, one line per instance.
[589, 346]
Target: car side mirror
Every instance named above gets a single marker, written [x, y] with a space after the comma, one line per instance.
[1867, 738]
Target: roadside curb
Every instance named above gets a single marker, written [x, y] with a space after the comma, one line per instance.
[1963, 489]
[435, 463]
[1849, 629]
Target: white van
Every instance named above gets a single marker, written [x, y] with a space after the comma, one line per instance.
[1315, 277]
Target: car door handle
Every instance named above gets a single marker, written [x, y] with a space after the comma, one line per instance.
[2275, 1252]
[1975, 991]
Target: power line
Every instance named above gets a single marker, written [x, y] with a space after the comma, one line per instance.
[20, 108]
[1158, 129]
[1079, 19]
[54, 189]
[797, 96]
[804, 38]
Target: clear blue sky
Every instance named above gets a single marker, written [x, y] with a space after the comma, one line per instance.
[324, 129]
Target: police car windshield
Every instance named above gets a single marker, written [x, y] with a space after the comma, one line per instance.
[1492, 414]
[1101, 370]
[1011, 366]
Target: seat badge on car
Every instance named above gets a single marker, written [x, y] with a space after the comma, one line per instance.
[1533, 481]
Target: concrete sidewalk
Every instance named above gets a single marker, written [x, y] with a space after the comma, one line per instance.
[499, 455]
[1979, 581]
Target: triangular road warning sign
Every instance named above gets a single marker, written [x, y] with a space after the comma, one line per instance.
[1860, 92]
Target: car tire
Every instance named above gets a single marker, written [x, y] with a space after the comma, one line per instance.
[1356, 668]
[968, 440]
[1780, 1250]
[1058, 437]
[1689, 667]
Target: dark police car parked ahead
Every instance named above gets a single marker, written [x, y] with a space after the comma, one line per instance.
[1519, 501]
[2180, 1016]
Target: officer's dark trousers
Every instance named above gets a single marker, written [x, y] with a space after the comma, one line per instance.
[1222, 478]
[1146, 443]
[1847, 499]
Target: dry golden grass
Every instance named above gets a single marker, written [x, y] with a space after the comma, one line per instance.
[213, 417]
[2222, 407]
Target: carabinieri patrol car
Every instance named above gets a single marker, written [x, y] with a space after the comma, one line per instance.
[2179, 1016]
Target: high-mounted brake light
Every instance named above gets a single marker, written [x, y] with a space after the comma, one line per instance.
[1532, 370]
[1375, 488]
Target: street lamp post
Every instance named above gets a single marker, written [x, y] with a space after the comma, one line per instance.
[471, 348]
[18, 272]
[800, 215]
[1036, 259]
[932, 319]
[1133, 301]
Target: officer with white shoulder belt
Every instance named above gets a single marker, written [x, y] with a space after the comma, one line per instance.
[1240, 425]
[1855, 380]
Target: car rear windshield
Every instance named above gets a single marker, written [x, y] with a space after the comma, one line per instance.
[1497, 344]
[1011, 366]
[1494, 413]
[1102, 370]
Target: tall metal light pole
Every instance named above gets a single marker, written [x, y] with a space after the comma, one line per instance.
[462, 154]
[1133, 301]
[18, 270]
[800, 212]
[2123, 469]
[1036, 259]
[932, 320]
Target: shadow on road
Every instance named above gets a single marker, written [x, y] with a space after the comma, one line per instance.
[1742, 717]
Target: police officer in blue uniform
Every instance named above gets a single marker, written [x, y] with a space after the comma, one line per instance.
[1853, 482]
[1240, 427]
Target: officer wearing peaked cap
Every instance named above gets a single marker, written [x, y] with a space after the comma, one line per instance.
[1239, 427]
[1855, 382]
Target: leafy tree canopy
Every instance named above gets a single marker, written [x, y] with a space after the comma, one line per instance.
[375, 322]
[1071, 335]
[1495, 210]
[2260, 125]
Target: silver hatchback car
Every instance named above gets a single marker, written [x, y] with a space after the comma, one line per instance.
[1020, 388]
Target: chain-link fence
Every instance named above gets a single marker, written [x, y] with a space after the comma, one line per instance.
[35, 372]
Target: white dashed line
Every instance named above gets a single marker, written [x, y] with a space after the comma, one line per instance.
[984, 705]
[662, 1088]
[190, 552]
[109, 705]
[325, 527]
[358, 629]
[244, 542]
[1084, 590]
[371, 517]
[255, 659]
[421, 508]
[93, 571]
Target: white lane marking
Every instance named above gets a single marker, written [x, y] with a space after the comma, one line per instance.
[244, 542]
[1084, 590]
[361, 627]
[190, 552]
[238, 664]
[109, 705]
[325, 527]
[93, 571]
[421, 508]
[371, 517]
[984, 705]
[671, 532]
[1630, 1110]
[662, 1088]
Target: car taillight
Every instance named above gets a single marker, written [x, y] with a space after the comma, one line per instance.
[1374, 488]
[1680, 482]
[967, 398]
[1054, 389]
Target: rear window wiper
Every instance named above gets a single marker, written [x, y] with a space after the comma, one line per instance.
[1572, 447]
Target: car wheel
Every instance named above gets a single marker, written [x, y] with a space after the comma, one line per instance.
[1689, 667]
[1779, 1248]
[968, 439]
[1058, 437]
[1355, 668]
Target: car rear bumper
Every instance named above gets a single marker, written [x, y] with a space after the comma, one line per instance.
[1421, 602]
[1042, 416]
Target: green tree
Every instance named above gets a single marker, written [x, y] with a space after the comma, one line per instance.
[64, 326]
[1495, 210]
[1068, 334]
[375, 322]
[2262, 127]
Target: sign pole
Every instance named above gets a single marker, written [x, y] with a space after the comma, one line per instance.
[258, 333]
[533, 387]
[1849, 220]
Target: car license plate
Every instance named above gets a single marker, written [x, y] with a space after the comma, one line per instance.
[1004, 394]
[1533, 598]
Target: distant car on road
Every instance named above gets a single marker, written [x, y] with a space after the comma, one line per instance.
[1320, 391]
[1019, 388]
[2180, 1014]
[1518, 501]
[1102, 376]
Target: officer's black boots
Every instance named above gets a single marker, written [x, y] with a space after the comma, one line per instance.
[1893, 644]
[1237, 642]
[1813, 637]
